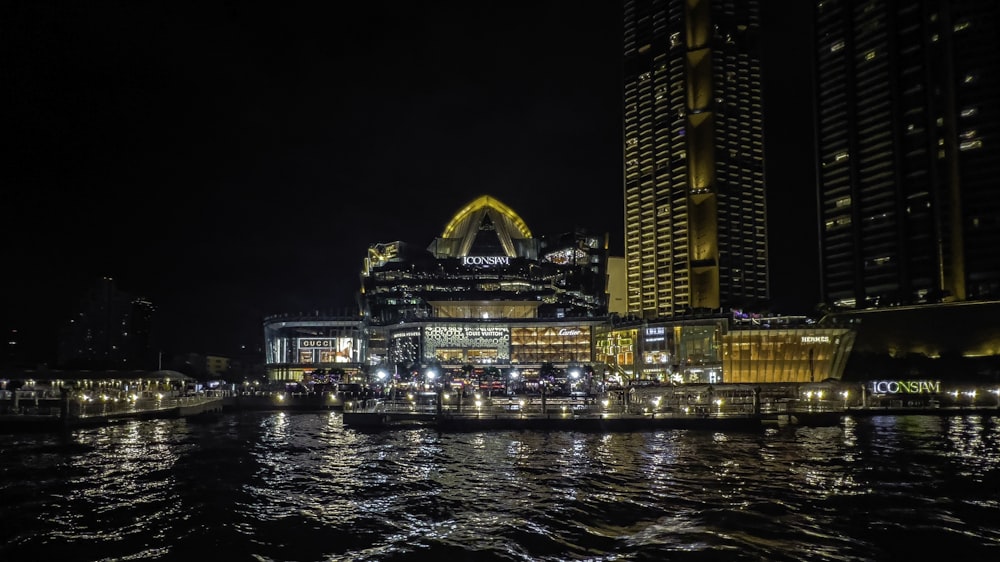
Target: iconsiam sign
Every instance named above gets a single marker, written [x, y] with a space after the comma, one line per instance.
[906, 387]
[485, 260]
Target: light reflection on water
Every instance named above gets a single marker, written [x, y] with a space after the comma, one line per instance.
[287, 486]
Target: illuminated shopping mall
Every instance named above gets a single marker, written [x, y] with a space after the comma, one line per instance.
[489, 302]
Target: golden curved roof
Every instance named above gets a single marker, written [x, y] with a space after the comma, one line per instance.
[465, 223]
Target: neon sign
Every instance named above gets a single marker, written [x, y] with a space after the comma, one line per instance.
[906, 387]
[486, 260]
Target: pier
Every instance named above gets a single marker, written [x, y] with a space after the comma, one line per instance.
[34, 411]
[576, 414]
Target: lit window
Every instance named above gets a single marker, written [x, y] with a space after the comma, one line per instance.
[968, 135]
[969, 78]
[971, 145]
[934, 38]
[836, 46]
[969, 112]
[961, 25]
[870, 55]
[843, 201]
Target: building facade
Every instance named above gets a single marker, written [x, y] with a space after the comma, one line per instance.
[487, 304]
[695, 213]
[908, 153]
[311, 347]
[734, 348]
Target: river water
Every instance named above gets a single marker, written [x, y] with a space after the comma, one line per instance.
[301, 486]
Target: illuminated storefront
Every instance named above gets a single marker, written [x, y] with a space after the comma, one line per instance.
[714, 350]
[297, 347]
[785, 355]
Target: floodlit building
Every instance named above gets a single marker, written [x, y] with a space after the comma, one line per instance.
[695, 213]
[489, 304]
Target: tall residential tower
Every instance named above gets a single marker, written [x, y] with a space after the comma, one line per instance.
[695, 228]
[908, 150]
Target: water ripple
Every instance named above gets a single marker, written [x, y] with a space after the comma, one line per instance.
[283, 486]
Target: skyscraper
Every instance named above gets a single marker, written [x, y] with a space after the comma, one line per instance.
[109, 329]
[908, 152]
[695, 214]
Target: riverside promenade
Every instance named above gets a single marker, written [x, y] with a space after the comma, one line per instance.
[576, 414]
[24, 412]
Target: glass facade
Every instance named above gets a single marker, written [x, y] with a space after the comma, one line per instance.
[785, 355]
[296, 346]
[717, 350]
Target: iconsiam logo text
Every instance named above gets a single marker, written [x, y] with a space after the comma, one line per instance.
[486, 260]
[906, 387]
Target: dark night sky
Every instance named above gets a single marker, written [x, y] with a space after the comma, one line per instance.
[235, 160]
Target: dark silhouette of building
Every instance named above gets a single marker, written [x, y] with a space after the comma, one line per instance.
[110, 329]
[908, 151]
[695, 213]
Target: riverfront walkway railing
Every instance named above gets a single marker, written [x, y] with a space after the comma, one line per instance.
[518, 406]
[89, 405]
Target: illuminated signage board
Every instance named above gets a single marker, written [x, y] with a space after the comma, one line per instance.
[407, 334]
[317, 343]
[468, 337]
[815, 339]
[906, 387]
[570, 331]
[331, 350]
[486, 261]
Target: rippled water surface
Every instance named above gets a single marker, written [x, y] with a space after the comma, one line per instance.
[279, 486]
